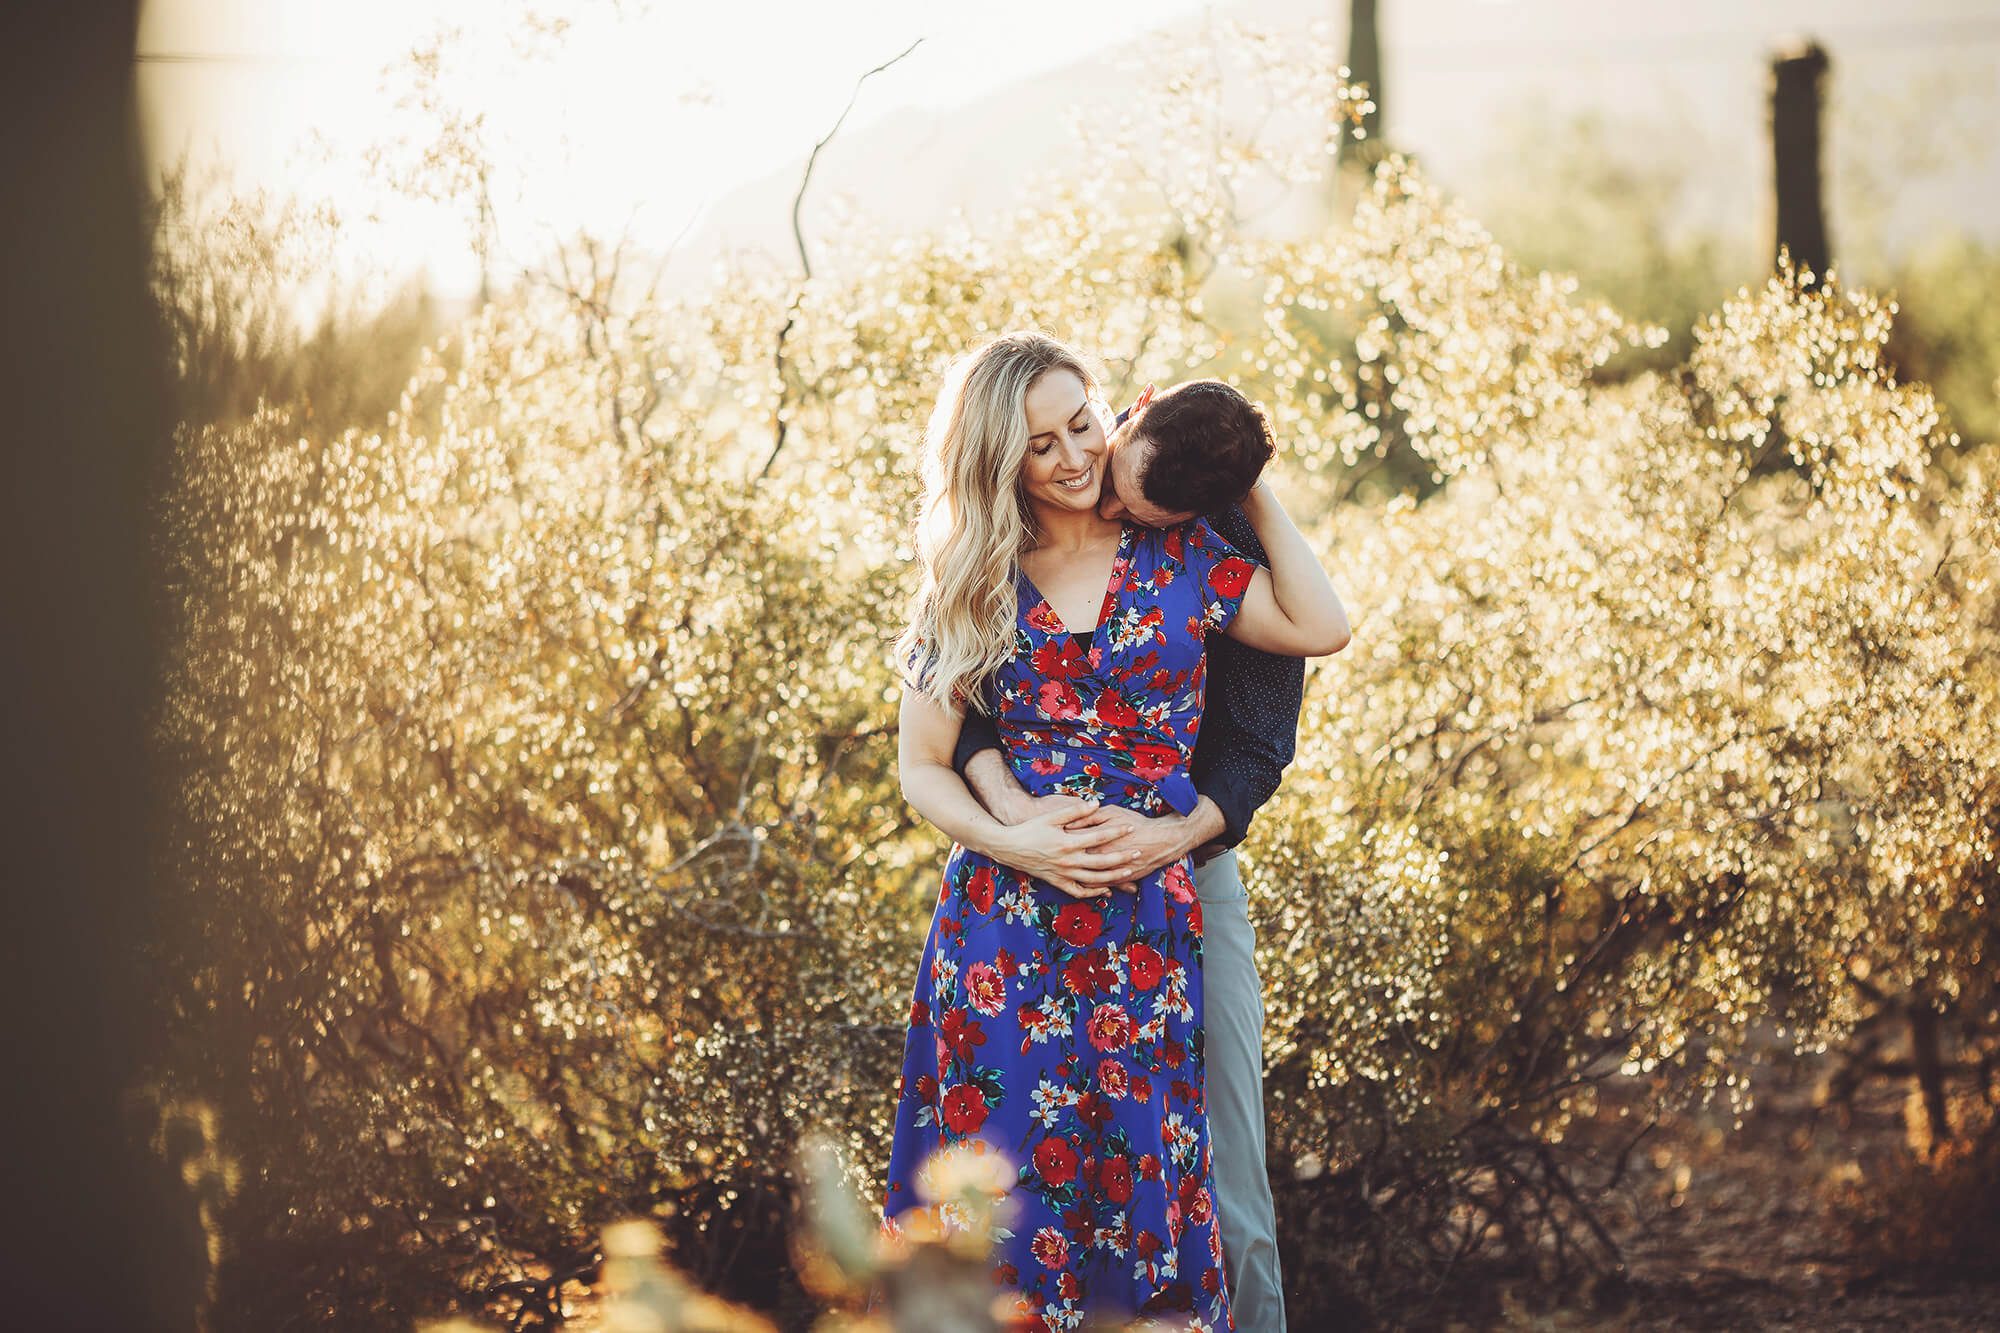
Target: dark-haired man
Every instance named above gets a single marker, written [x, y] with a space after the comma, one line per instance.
[1198, 449]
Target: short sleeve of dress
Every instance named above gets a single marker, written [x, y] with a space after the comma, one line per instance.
[916, 664]
[918, 668]
[1219, 570]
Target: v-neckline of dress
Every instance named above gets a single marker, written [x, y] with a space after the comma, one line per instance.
[1105, 608]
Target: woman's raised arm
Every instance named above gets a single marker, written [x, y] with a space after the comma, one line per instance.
[1291, 609]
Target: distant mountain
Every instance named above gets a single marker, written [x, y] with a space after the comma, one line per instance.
[916, 169]
[1458, 73]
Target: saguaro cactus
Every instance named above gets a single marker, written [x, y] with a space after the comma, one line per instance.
[1364, 64]
[1798, 75]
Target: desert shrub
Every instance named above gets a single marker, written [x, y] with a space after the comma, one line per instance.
[232, 272]
[545, 853]
[1638, 739]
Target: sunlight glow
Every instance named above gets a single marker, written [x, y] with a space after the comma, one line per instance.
[631, 114]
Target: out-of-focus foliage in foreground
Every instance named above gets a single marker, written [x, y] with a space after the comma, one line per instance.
[924, 1278]
[546, 860]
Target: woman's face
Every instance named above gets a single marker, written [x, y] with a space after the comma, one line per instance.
[1065, 464]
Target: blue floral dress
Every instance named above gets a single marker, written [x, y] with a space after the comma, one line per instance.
[1066, 1034]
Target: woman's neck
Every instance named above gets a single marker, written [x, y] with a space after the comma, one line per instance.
[1072, 529]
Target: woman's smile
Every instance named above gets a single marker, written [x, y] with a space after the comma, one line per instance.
[1082, 482]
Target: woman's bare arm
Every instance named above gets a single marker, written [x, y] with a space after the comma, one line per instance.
[1290, 609]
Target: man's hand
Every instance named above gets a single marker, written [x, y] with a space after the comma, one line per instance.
[1081, 847]
[1153, 841]
[1161, 839]
[1053, 846]
[994, 784]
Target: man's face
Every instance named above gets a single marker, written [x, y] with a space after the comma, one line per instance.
[1124, 496]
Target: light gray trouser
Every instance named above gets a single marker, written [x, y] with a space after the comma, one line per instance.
[1233, 1015]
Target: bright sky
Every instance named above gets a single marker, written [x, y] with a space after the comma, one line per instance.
[659, 108]
[653, 111]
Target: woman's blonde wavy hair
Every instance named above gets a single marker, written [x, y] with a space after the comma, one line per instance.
[975, 521]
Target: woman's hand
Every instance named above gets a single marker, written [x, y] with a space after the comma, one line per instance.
[1062, 847]
[1151, 842]
[1155, 840]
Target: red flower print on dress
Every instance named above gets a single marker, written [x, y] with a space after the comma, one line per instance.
[1143, 961]
[1110, 1027]
[1178, 883]
[1230, 577]
[985, 991]
[1059, 659]
[1153, 762]
[979, 890]
[1115, 1178]
[1113, 1077]
[1051, 1248]
[1047, 765]
[1089, 975]
[1083, 1227]
[1034, 1023]
[1058, 700]
[1055, 1162]
[964, 1109]
[1114, 711]
[1043, 618]
[1194, 1201]
[1079, 925]
[961, 1034]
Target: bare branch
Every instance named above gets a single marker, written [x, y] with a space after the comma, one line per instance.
[779, 425]
[798, 200]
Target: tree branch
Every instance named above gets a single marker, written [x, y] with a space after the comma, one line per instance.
[779, 425]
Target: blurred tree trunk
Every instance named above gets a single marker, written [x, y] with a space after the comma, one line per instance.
[1364, 64]
[103, 1230]
[1798, 77]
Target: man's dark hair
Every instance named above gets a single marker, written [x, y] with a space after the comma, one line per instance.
[1210, 444]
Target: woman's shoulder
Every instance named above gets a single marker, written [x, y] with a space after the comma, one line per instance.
[1176, 541]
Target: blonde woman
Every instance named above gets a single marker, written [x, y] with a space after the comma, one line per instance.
[1055, 1023]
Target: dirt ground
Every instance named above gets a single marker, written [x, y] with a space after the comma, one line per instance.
[1729, 1229]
